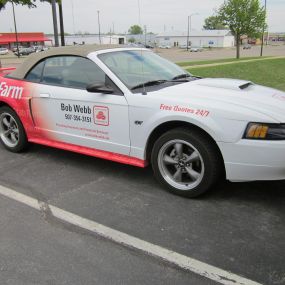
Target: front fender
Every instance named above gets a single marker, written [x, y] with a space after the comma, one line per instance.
[220, 129]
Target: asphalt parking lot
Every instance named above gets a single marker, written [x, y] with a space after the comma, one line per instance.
[180, 55]
[236, 227]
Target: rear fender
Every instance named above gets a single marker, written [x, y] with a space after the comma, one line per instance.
[17, 95]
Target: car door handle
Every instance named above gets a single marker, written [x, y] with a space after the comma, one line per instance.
[44, 95]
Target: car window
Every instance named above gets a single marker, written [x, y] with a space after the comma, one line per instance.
[129, 62]
[35, 73]
[72, 71]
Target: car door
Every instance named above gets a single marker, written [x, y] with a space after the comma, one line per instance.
[63, 110]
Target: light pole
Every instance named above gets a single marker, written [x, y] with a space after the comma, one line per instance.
[263, 30]
[16, 32]
[73, 21]
[189, 27]
[99, 26]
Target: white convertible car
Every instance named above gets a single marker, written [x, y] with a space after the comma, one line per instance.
[131, 106]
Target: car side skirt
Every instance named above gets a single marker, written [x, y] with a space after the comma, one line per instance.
[124, 159]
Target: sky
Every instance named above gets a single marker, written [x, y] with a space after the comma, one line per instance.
[157, 15]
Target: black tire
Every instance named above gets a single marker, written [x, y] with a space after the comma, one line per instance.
[199, 175]
[20, 143]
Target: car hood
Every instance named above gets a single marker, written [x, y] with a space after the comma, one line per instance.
[245, 94]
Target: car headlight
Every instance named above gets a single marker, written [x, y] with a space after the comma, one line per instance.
[263, 131]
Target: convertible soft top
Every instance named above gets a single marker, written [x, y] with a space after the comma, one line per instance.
[83, 50]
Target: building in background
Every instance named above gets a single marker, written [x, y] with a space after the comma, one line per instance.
[276, 37]
[87, 39]
[8, 40]
[205, 38]
[113, 39]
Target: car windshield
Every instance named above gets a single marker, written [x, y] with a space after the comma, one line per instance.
[138, 67]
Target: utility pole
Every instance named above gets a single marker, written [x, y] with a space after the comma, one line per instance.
[55, 28]
[190, 27]
[194, 14]
[145, 35]
[263, 30]
[99, 26]
[73, 21]
[16, 32]
[188, 33]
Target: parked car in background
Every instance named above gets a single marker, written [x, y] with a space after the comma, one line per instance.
[4, 51]
[140, 45]
[247, 46]
[164, 46]
[196, 49]
[184, 47]
[39, 48]
[36, 48]
[14, 49]
[149, 46]
[24, 51]
[45, 48]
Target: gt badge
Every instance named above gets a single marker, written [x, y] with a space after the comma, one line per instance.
[101, 115]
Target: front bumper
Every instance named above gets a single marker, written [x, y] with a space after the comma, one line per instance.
[251, 160]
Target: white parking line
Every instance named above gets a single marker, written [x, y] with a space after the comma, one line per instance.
[187, 263]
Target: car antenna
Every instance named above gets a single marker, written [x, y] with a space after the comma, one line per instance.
[139, 14]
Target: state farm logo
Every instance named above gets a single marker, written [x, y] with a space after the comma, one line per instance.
[279, 97]
[14, 92]
[101, 115]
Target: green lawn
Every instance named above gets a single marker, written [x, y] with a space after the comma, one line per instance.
[189, 63]
[269, 72]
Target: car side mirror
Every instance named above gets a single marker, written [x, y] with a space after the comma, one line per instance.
[99, 88]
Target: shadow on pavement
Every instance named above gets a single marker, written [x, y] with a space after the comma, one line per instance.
[269, 192]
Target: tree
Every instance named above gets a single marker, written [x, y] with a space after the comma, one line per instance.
[135, 30]
[213, 23]
[29, 3]
[131, 40]
[243, 17]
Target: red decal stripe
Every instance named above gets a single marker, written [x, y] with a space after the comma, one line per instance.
[93, 152]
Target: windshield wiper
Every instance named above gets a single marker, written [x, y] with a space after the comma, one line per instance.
[181, 76]
[178, 78]
[149, 83]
